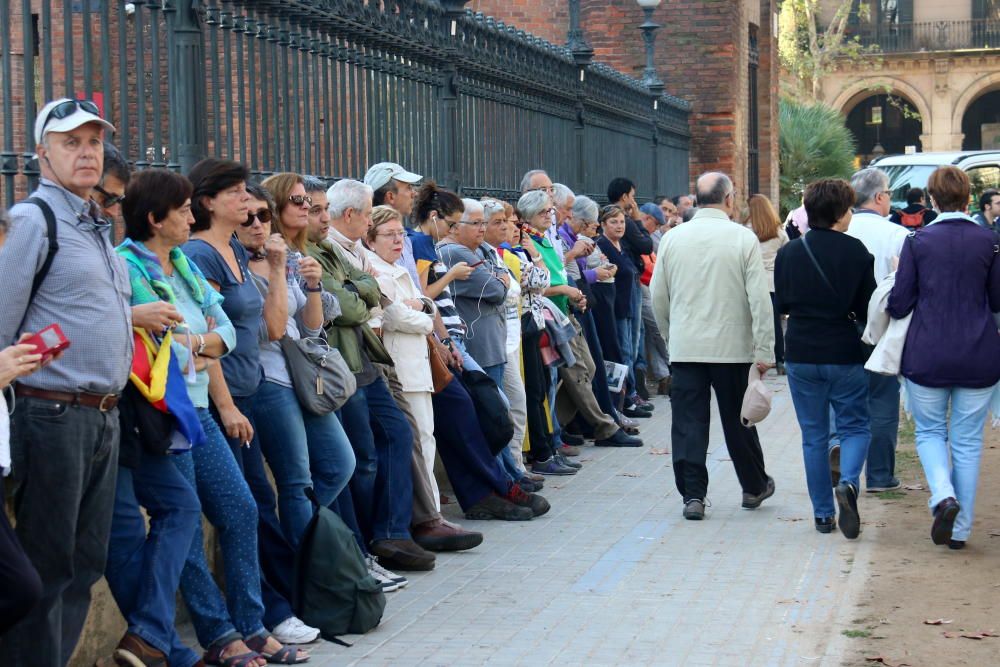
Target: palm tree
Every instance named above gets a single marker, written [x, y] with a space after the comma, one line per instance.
[813, 143]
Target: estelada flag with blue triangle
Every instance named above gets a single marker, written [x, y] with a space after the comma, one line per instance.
[158, 377]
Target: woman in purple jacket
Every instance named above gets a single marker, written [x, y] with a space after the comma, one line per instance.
[949, 278]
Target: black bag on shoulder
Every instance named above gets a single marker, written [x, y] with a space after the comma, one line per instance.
[491, 409]
[333, 589]
[143, 427]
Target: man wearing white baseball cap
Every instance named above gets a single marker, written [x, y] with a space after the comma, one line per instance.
[59, 268]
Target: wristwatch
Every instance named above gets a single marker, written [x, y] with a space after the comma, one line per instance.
[313, 290]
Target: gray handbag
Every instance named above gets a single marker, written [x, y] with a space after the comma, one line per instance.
[321, 378]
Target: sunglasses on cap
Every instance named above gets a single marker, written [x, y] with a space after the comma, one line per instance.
[68, 108]
[263, 215]
[109, 199]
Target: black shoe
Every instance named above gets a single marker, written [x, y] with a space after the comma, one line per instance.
[574, 439]
[635, 412]
[619, 439]
[402, 555]
[848, 521]
[694, 510]
[495, 507]
[834, 456]
[640, 384]
[752, 502]
[956, 544]
[552, 466]
[528, 485]
[824, 525]
[944, 520]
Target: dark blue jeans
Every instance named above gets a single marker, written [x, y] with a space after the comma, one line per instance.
[20, 587]
[277, 556]
[382, 486]
[883, 405]
[144, 571]
[600, 381]
[65, 461]
[474, 473]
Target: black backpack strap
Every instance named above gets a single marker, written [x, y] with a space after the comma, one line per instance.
[50, 224]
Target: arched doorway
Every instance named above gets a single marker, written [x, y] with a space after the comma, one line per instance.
[884, 124]
[981, 123]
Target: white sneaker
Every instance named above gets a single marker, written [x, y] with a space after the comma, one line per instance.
[390, 581]
[294, 631]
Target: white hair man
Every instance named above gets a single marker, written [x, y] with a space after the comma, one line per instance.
[713, 308]
[884, 241]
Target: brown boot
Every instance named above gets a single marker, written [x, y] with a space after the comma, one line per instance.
[133, 651]
[443, 536]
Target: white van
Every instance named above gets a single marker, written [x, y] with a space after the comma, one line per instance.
[912, 171]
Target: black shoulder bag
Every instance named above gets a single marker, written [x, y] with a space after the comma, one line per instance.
[851, 315]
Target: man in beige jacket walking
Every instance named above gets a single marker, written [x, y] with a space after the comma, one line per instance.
[712, 305]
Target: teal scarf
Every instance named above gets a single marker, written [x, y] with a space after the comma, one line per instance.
[149, 282]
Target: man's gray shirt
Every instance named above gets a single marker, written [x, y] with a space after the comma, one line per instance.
[479, 299]
[87, 292]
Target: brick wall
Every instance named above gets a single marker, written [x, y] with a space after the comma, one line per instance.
[702, 55]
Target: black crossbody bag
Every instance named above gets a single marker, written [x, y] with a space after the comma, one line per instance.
[851, 315]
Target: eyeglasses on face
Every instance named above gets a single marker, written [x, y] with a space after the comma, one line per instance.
[480, 224]
[69, 107]
[392, 235]
[299, 200]
[263, 215]
[109, 199]
[548, 189]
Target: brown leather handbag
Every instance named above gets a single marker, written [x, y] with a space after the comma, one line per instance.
[440, 373]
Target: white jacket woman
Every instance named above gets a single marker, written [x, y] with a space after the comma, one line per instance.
[404, 329]
[404, 318]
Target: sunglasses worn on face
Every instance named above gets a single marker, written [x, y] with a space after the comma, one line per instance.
[68, 108]
[109, 199]
[263, 215]
[299, 200]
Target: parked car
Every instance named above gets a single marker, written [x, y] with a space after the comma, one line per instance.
[912, 171]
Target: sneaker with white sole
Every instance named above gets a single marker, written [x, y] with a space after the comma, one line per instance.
[390, 581]
[294, 631]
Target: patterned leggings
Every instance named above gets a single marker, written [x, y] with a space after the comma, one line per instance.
[229, 506]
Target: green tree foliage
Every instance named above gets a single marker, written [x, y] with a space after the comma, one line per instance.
[813, 143]
[809, 47]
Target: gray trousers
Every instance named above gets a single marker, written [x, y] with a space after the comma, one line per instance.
[576, 395]
[65, 463]
[657, 359]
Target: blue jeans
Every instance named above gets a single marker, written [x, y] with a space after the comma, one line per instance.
[627, 343]
[144, 571]
[496, 374]
[815, 389]
[303, 450]
[883, 404]
[636, 317]
[468, 363]
[553, 390]
[961, 437]
[229, 506]
[382, 486]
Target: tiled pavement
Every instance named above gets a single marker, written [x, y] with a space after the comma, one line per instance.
[613, 575]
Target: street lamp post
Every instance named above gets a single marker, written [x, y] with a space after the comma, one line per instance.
[649, 28]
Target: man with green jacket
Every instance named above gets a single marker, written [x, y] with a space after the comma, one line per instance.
[382, 486]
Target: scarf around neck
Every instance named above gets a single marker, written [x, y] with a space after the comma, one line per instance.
[149, 282]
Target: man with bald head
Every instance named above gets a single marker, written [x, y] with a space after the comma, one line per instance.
[712, 304]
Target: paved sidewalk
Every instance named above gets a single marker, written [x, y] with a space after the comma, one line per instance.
[613, 575]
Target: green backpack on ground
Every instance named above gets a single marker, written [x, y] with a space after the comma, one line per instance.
[333, 589]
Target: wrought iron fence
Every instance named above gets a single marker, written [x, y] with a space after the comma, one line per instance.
[931, 36]
[329, 87]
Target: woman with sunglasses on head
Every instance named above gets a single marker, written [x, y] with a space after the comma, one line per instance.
[220, 203]
[303, 450]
